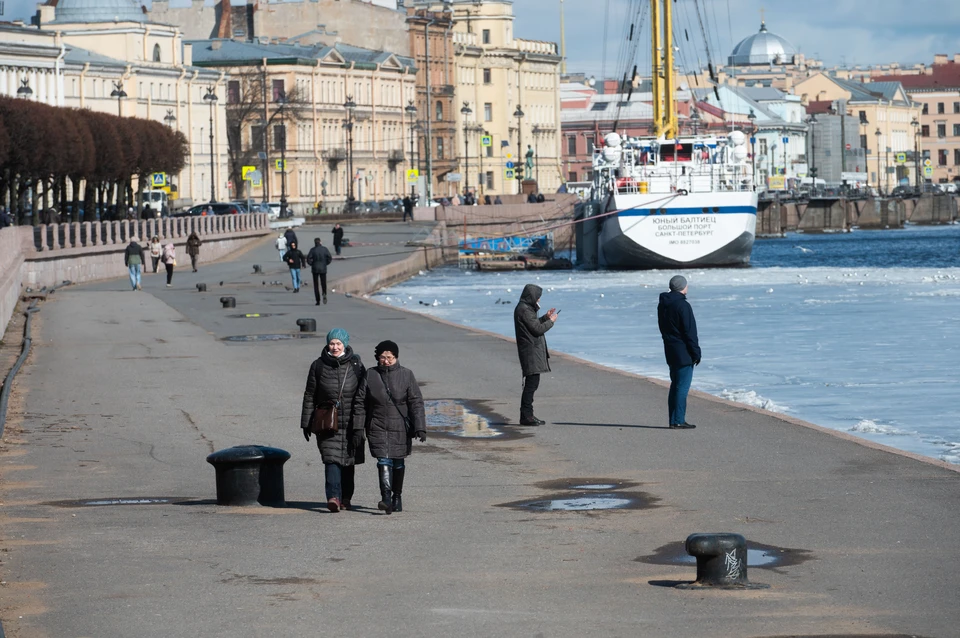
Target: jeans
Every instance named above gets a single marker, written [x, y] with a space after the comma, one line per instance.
[193, 262]
[282, 253]
[295, 275]
[339, 481]
[169, 268]
[680, 379]
[336, 247]
[320, 285]
[397, 464]
[156, 263]
[530, 384]
[134, 275]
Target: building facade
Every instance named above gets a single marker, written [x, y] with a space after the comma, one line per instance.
[337, 115]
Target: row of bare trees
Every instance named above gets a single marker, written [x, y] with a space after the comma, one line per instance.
[43, 149]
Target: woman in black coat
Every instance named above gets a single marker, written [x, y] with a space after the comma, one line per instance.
[393, 409]
[337, 375]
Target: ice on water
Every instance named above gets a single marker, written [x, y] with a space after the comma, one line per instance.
[834, 335]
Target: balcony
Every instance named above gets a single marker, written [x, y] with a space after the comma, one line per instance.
[396, 157]
[334, 155]
[466, 39]
[536, 46]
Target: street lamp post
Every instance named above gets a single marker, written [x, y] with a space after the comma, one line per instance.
[537, 132]
[211, 99]
[349, 105]
[282, 101]
[25, 91]
[170, 118]
[812, 121]
[466, 112]
[483, 178]
[784, 142]
[916, 152]
[117, 92]
[411, 111]
[878, 134]
[695, 119]
[519, 115]
[753, 147]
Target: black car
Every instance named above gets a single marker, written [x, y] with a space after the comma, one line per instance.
[205, 209]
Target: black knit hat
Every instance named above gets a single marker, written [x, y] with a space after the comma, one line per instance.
[387, 346]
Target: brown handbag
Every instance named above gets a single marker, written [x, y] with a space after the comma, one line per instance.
[325, 415]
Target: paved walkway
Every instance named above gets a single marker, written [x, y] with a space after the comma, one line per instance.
[128, 392]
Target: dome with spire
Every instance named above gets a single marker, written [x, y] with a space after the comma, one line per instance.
[762, 48]
[72, 11]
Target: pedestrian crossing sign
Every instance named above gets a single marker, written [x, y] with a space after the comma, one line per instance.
[281, 165]
[413, 176]
[486, 140]
[158, 180]
[509, 173]
[901, 158]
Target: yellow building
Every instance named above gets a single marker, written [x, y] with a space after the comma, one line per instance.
[495, 74]
[885, 113]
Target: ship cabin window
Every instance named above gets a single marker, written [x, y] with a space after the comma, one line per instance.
[676, 152]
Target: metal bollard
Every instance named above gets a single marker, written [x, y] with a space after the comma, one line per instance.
[201, 287]
[721, 562]
[307, 325]
[249, 474]
[257, 269]
[228, 302]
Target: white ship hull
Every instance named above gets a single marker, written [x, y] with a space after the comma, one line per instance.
[698, 230]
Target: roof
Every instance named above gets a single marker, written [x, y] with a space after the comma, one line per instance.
[942, 76]
[72, 11]
[871, 91]
[762, 47]
[220, 52]
[820, 107]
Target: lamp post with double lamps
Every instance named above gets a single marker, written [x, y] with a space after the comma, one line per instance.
[411, 111]
[117, 92]
[812, 122]
[211, 99]
[753, 148]
[466, 112]
[25, 91]
[519, 115]
[878, 134]
[282, 103]
[916, 152]
[349, 106]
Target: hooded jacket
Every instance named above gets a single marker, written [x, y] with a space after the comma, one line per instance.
[386, 430]
[133, 250]
[678, 327]
[323, 384]
[530, 330]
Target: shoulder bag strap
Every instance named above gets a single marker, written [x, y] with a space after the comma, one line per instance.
[406, 420]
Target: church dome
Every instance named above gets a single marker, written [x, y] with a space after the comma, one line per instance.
[72, 11]
[762, 48]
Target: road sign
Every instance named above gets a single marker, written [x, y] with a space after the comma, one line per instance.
[281, 165]
[510, 165]
[252, 176]
[509, 155]
[261, 155]
[928, 171]
[753, 140]
[413, 176]
[927, 162]
[454, 177]
[229, 186]
[509, 173]
[486, 140]
[256, 183]
[158, 180]
[901, 158]
[246, 170]
[849, 147]
[786, 140]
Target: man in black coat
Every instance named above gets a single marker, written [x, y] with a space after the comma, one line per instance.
[681, 347]
[319, 258]
[337, 237]
[532, 347]
[291, 238]
[407, 208]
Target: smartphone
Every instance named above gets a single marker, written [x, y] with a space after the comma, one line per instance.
[558, 312]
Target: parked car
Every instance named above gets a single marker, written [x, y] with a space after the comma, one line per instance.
[902, 191]
[950, 187]
[204, 209]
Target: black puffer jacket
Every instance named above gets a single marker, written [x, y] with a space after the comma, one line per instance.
[323, 384]
[531, 344]
[678, 327]
[385, 427]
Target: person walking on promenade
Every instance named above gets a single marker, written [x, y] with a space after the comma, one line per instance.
[193, 249]
[394, 416]
[281, 245]
[133, 258]
[407, 208]
[532, 347]
[295, 260]
[169, 259]
[319, 258]
[155, 250]
[337, 237]
[681, 347]
[291, 238]
[337, 376]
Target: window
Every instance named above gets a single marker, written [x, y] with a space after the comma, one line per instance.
[279, 136]
[439, 148]
[590, 143]
[489, 177]
[439, 111]
[863, 141]
[926, 109]
[956, 107]
[939, 107]
[156, 53]
[278, 90]
[941, 130]
[572, 146]
[490, 151]
[233, 92]
[925, 130]
[956, 157]
[863, 117]
[488, 112]
[573, 176]
[256, 136]
[956, 130]
[486, 36]
[942, 157]
[487, 76]
[599, 106]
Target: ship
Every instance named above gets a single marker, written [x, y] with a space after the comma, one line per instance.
[669, 201]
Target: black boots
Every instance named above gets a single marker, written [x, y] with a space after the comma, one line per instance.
[398, 488]
[386, 496]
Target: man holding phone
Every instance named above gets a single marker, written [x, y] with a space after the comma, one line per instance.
[532, 347]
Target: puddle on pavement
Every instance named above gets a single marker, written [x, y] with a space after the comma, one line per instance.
[758, 555]
[257, 315]
[107, 502]
[455, 418]
[579, 502]
[586, 484]
[270, 337]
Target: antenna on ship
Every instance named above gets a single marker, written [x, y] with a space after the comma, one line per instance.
[563, 43]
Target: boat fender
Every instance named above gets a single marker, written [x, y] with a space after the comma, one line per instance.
[683, 191]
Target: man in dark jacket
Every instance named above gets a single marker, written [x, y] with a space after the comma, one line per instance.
[337, 237]
[532, 347]
[319, 258]
[291, 237]
[193, 249]
[681, 347]
[295, 260]
[133, 258]
[407, 208]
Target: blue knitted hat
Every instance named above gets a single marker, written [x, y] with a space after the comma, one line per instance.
[341, 334]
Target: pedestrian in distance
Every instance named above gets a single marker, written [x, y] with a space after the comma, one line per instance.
[295, 260]
[678, 327]
[281, 245]
[155, 249]
[338, 376]
[497, 201]
[133, 259]
[487, 201]
[532, 347]
[319, 258]
[407, 208]
[394, 416]
[337, 237]
[291, 238]
[169, 259]
[4, 218]
[193, 249]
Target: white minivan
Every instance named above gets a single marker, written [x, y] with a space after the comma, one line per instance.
[156, 200]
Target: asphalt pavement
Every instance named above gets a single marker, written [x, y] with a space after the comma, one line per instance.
[128, 392]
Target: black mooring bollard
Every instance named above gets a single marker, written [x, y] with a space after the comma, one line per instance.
[249, 474]
[721, 562]
[228, 302]
[307, 325]
[256, 269]
[201, 287]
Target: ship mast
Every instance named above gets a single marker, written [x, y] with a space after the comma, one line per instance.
[664, 84]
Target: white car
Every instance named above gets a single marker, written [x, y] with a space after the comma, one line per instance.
[274, 210]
